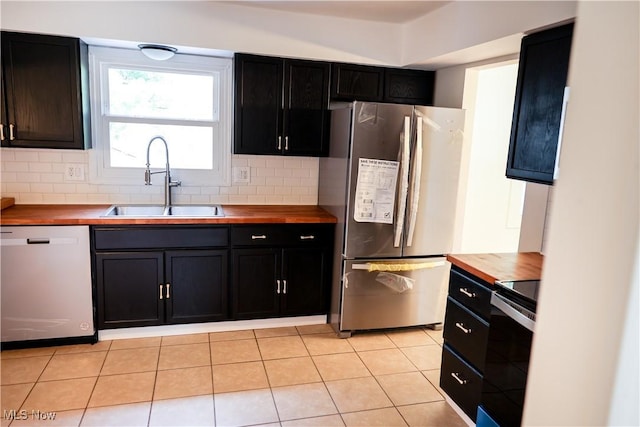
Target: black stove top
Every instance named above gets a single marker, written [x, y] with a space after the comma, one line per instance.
[527, 289]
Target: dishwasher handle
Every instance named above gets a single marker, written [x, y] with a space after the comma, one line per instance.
[38, 241]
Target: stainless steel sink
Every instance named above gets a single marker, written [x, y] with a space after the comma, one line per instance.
[144, 211]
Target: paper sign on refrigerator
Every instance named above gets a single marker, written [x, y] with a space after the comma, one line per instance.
[375, 191]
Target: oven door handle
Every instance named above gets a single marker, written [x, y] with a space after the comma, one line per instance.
[520, 314]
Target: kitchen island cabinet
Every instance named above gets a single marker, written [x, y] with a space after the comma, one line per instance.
[45, 92]
[157, 275]
[466, 325]
[281, 271]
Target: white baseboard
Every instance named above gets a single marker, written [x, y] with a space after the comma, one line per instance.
[196, 328]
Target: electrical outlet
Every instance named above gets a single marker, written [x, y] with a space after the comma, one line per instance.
[241, 175]
[74, 172]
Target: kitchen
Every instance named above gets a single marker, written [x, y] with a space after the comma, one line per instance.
[587, 221]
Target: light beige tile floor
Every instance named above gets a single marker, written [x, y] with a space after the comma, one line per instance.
[294, 376]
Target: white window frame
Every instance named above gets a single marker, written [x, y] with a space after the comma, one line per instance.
[101, 58]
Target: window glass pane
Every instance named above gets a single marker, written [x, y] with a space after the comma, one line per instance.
[162, 95]
[190, 147]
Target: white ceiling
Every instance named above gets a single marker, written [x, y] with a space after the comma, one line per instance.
[397, 12]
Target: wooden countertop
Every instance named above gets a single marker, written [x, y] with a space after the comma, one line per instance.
[92, 215]
[505, 266]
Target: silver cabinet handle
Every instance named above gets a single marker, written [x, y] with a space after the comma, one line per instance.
[11, 136]
[286, 143]
[457, 378]
[258, 237]
[460, 326]
[284, 289]
[168, 286]
[467, 293]
[279, 143]
[1, 132]
[161, 290]
[278, 289]
[309, 237]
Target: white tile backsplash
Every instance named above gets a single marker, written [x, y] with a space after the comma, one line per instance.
[36, 176]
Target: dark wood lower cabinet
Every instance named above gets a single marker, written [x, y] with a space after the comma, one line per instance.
[273, 282]
[254, 283]
[197, 286]
[128, 289]
[465, 333]
[281, 270]
[154, 275]
[155, 288]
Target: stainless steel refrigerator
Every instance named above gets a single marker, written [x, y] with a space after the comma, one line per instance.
[391, 179]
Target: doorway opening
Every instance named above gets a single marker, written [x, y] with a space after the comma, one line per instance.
[493, 204]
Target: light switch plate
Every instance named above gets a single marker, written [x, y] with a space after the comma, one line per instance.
[241, 175]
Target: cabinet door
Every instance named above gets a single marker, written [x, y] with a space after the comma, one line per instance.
[350, 82]
[196, 286]
[542, 76]
[306, 108]
[408, 86]
[304, 274]
[256, 293]
[258, 105]
[129, 289]
[42, 77]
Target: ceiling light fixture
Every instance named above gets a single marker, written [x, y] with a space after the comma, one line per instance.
[157, 52]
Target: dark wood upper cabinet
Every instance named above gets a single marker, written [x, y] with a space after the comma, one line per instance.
[408, 86]
[281, 106]
[352, 82]
[537, 114]
[45, 92]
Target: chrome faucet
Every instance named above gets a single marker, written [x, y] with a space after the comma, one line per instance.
[167, 174]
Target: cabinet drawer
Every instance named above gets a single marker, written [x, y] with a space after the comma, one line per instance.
[461, 382]
[282, 235]
[470, 293]
[466, 332]
[159, 237]
[257, 235]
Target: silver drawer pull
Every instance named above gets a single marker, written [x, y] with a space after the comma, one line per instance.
[168, 286]
[278, 289]
[161, 290]
[258, 237]
[309, 237]
[1, 131]
[467, 293]
[11, 135]
[461, 327]
[284, 287]
[279, 143]
[457, 378]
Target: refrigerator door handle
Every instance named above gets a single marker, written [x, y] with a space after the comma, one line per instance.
[415, 183]
[404, 181]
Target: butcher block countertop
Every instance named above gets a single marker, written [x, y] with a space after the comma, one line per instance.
[506, 266]
[92, 215]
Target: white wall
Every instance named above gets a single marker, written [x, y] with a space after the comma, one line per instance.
[587, 328]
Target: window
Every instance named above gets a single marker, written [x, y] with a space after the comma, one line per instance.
[186, 100]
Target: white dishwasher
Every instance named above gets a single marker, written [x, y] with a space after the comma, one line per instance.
[45, 285]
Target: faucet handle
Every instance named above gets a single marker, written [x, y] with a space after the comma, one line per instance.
[175, 183]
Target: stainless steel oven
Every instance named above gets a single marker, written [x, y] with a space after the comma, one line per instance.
[511, 326]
